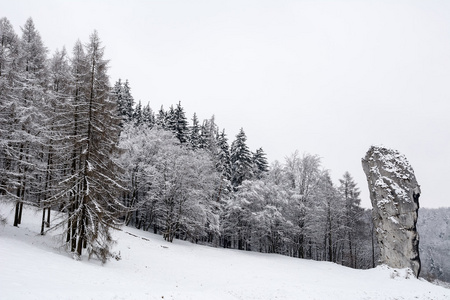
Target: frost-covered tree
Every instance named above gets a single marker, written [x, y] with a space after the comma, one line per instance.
[241, 160]
[9, 53]
[137, 114]
[161, 118]
[148, 117]
[59, 127]
[180, 129]
[255, 218]
[95, 208]
[208, 135]
[122, 94]
[27, 118]
[194, 133]
[260, 164]
[303, 176]
[173, 187]
[351, 216]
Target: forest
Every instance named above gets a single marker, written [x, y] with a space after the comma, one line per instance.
[72, 142]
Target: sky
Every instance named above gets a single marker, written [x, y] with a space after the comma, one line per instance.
[329, 78]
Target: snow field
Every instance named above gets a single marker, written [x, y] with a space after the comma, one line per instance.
[34, 267]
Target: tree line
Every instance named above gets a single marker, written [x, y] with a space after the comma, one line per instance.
[71, 142]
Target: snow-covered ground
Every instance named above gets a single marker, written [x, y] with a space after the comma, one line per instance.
[33, 267]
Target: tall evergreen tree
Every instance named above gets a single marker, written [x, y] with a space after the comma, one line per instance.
[161, 118]
[126, 107]
[148, 117]
[241, 160]
[223, 156]
[122, 93]
[137, 114]
[180, 124]
[208, 135]
[261, 166]
[194, 133]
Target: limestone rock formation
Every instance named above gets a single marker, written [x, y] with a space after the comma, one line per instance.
[394, 193]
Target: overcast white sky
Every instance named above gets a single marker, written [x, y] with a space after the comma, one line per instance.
[322, 77]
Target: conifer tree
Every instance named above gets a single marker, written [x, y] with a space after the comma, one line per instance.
[122, 93]
[170, 120]
[148, 117]
[58, 129]
[223, 156]
[126, 107]
[180, 124]
[241, 160]
[97, 179]
[161, 118]
[28, 120]
[261, 166]
[9, 52]
[208, 136]
[137, 114]
[194, 133]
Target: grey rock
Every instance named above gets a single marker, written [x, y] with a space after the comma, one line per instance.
[394, 193]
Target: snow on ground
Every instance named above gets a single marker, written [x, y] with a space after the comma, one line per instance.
[34, 267]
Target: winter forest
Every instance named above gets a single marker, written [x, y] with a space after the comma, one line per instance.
[70, 141]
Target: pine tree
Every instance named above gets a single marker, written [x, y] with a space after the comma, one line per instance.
[171, 120]
[241, 160]
[180, 124]
[223, 164]
[148, 117]
[137, 115]
[194, 133]
[208, 136]
[161, 118]
[126, 107]
[261, 166]
[122, 94]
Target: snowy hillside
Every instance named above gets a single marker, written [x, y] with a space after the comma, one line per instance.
[32, 267]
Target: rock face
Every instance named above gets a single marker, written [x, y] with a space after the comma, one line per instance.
[394, 193]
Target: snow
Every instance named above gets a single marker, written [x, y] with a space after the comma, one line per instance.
[393, 220]
[33, 267]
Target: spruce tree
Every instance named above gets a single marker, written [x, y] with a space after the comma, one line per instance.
[126, 107]
[180, 124]
[137, 115]
[121, 92]
[194, 133]
[148, 117]
[161, 118]
[261, 166]
[171, 120]
[223, 164]
[241, 160]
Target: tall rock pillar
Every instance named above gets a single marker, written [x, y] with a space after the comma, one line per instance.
[394, 193]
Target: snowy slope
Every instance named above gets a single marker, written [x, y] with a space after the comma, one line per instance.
[32, 267]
